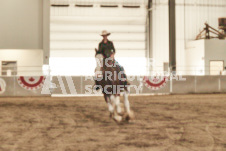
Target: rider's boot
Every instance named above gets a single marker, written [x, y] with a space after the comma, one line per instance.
[126, 82]
[95, 86]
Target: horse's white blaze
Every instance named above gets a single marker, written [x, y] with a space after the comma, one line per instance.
[99, 62]
[126, 102]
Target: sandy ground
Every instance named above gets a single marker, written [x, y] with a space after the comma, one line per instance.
[163, 123]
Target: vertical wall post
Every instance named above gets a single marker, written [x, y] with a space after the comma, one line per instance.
[149, 50]
[172, 35]
[46, 31]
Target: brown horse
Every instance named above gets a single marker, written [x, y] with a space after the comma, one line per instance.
[109, 79]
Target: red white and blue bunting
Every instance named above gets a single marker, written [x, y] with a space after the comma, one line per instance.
[2, 86]
[31, 83]
[155, 82]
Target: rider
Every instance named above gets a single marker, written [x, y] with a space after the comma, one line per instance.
[107, 48]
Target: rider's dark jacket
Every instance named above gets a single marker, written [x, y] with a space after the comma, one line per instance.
[106, 48]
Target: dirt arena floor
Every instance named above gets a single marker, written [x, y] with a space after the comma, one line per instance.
[163, 123]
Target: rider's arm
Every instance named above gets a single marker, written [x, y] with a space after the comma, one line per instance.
[100, 48]
[113, 47]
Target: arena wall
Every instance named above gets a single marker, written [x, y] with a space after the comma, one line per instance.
[78, 85]
[21, 86]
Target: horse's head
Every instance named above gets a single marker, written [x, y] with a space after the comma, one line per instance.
[99, 60]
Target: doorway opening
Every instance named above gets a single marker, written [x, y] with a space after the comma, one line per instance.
[216, 67]
[9, 68]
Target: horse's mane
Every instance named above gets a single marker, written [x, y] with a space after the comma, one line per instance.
[98, 52]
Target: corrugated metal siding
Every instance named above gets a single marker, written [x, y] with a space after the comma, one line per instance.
[78, 28]
[160, 33]
[75, 32]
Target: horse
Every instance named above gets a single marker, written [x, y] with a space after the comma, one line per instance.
[108, 77]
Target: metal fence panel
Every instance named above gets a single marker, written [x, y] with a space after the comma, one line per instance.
[223, 83]
[207, 84]
[7, 87]
[183, 87]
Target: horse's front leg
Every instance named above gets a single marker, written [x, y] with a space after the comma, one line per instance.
[126, 101]
[109, 103]
[129, 113]
[118, 105]
[115, 101]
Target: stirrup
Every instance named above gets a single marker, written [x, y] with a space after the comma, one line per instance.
[95, 87]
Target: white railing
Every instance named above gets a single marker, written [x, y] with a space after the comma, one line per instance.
[80, 69]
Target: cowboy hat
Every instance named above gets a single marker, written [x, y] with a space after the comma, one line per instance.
[105, 33]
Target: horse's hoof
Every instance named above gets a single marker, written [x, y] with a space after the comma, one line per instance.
[121, 113]
[118, 119]
[129, 116]
[122, 109]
